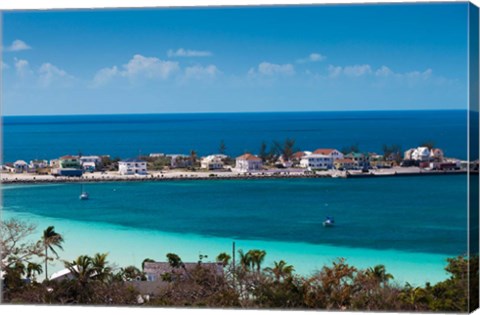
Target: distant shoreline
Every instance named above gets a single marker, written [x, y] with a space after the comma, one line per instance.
[189, 175]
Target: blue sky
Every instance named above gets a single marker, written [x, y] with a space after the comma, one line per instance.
[313, 58]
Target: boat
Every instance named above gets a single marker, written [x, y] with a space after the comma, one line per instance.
[329, 221]
[83, 195]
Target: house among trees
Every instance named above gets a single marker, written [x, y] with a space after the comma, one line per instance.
[164, 271]
[248, 163]
[180, 160]
[213, 162]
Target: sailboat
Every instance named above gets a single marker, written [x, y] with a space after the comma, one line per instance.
[83, 195]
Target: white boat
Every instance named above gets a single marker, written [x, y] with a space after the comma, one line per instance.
[83, 195]
[329, 221]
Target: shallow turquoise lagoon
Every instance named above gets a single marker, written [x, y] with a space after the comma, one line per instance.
[410, 224]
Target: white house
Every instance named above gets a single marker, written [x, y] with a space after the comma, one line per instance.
[421, 154]
[317, 161]
[213, 162]
[437, 154]
[91, 159]
[132, 167]
[35, 164]
[20, 166]
[179, 160]
[333, 153]
[248, 163]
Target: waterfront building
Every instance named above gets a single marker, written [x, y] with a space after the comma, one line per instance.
[421, 154]
[408, 155]
[361, 160]
[436, 155]
[248, 163]
[70, 161]
[344, 164]
[213, 162]
[132, 167]
[180, 160]
[88, 161]
[20, 166]
[317, 162]
[333, 153]
[54, 163]
[38, 166]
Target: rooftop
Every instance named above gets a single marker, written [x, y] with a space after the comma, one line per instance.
[249, 157]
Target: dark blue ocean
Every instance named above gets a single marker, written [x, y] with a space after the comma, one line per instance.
[410, 224]
[47, 137]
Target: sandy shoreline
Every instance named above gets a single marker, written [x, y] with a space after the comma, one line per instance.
[12, 178]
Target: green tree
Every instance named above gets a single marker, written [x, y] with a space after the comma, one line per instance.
[263, 154]
[174, 260]
[280, 270]
[222, 148]
[379, 274]
[81, 268]
[100, 266]
[256, 258]
[33, 269]
[223, 258]
[50, 241]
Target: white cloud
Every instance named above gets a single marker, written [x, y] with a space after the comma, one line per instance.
[188, 53]
[4, 66]
[105, 75]
[349, 71]
[138, 67]
[313, 57]
[419, 75]
[17, 45]
[272, 69]
[200, 72]
[149, 67]
[357, 70]
[22, 68]
[334, 71]
[48, 73]
[384, 71]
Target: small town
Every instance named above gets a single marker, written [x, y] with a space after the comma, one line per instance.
[322, 162]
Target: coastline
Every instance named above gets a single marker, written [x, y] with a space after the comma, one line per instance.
[26, 178]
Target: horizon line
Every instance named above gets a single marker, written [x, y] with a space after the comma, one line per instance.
[246, 112]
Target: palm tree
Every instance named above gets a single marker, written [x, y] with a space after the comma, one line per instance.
[280, 270]
[245, 260]
[257, 257]
[193, 157]
[379, 273]
[32, 269]
[99, 264]
[81, 268]
[50, 240]
[223, 258]
[131, 273]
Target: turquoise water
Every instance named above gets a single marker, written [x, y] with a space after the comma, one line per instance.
[49, 137]
[410, 224]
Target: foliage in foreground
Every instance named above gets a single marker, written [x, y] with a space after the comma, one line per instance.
[245, 284]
